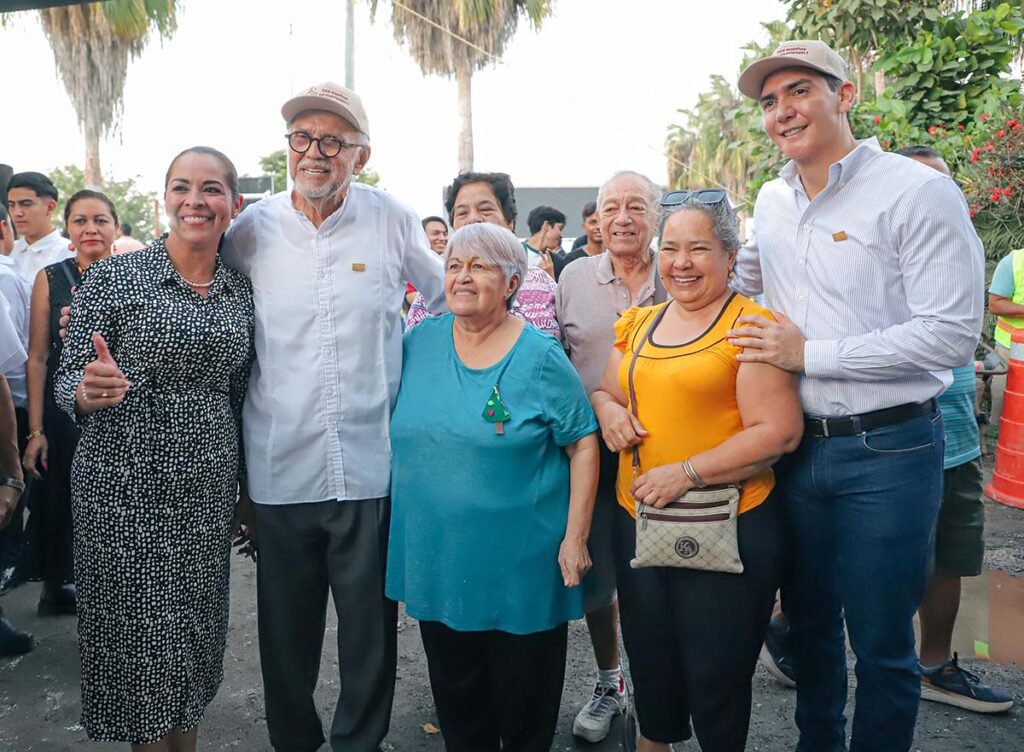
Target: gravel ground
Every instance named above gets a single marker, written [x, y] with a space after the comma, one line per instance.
[39, 693]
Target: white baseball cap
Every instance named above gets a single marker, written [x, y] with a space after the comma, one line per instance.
[329, 97]
[798, 53]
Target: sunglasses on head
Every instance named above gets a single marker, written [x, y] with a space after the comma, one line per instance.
[708, 196]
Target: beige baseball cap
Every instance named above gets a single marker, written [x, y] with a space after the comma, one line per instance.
[798, 53]
[330, 97]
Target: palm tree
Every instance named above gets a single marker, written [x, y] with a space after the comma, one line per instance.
[457, 38]
[92, 44]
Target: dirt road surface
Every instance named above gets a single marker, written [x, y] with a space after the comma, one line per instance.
[39, 693]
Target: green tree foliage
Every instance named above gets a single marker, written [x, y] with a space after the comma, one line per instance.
[92, 44]
[455, 38]
[721, 141]
[134, 206]
[276, 164]
[862, 30]
[930, 73]
[953, 71]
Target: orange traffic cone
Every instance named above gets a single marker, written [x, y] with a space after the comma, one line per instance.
[1007, 486]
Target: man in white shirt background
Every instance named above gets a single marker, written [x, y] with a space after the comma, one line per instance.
[329, 262]
[13, 355]
[545, 242]
[876, 274]
[15, 296]
[31, 202]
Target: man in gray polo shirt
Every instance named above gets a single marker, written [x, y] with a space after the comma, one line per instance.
[592, 293]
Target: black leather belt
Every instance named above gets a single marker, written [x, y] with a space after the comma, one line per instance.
[851, 425]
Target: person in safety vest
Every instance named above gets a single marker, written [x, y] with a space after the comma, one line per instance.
[1006, 303]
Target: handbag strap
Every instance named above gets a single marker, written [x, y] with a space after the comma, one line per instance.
[632, 391]
[632, 399]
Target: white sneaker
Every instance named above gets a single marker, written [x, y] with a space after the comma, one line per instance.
[594, 721]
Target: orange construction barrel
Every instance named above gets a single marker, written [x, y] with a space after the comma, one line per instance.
[1007, 486]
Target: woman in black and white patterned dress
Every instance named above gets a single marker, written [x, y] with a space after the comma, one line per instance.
[154, 369]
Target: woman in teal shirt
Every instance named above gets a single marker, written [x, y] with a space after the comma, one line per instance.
[493, 478]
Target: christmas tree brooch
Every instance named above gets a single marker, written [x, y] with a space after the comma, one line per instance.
[495, 412]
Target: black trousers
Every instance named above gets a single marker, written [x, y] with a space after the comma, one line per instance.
[494, 690]
[693, 636]
[304, 551]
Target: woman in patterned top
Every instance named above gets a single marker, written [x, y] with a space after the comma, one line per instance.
[154, 371]
[52, 436]
[490, 197]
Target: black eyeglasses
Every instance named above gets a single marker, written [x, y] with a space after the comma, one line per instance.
[709, 196]
[301, 142]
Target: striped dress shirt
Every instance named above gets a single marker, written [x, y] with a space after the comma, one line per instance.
[882, 272]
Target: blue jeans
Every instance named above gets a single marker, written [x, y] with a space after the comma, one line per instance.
[860, 515]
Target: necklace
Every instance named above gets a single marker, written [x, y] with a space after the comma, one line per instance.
[190, 283]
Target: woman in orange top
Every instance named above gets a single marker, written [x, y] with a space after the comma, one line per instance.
[693, 636]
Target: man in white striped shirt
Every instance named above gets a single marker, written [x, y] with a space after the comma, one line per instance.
[877, 275]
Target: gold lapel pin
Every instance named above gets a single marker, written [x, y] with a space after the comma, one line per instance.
[839, 236]
[358, 267]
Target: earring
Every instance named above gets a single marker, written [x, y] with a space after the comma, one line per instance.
[71, 247]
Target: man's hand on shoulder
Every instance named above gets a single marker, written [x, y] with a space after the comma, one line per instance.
[779, 342]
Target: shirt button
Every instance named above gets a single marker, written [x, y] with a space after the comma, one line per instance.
[801, 262]
[807, 226]
[801, 297]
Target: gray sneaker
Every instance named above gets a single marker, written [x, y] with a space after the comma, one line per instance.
[594, 721]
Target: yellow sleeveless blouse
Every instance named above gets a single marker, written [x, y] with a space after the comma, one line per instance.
[686, 395]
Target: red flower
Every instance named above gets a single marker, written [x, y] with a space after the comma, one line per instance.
[984, 116]
[991, 170]
[1012, 124]
[933, 130]
[886, 144]
[960, 126]
[1001, 133]
[878, 119]
[974, 213]
[989, 147]
[994, 198]
[974, 154]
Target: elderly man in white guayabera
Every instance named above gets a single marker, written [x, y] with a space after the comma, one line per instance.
[328, 262]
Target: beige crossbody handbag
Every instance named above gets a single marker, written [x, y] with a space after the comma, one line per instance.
[697, 530]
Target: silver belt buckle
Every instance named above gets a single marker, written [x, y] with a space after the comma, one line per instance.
[823, 422]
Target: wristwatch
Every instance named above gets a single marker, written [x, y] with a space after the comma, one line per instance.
[14, 483]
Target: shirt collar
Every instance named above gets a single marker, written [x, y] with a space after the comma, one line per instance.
[605, 273]
[331, 219]
[845, 169]
[6, 261]
[43, 242]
